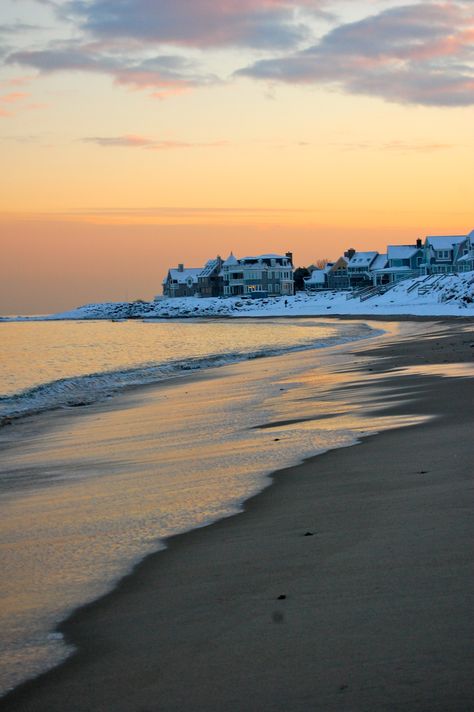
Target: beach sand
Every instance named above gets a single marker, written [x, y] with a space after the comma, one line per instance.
[347, 585]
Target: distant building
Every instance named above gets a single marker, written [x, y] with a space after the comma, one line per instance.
[259, 276]
[359, 268]
[209, 279]
[442, 252]
[337, 275]
[181, 282]
[316, 281]
[465, 260]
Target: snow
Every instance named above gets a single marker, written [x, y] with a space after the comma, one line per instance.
[362, 259]
[182, 276]
[436, 295]
[379, 263]
[318, 276]
[401, 252]
[444, 242]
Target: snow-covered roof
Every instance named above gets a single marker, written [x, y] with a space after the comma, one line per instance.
[379, 263]
[184, 275]
[272, 256]
[401, 252]
[467, 258]
[318, 276]
[209, 267]
[362, 259]
[231, 261]
[444, 242]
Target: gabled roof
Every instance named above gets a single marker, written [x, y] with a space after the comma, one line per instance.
[362, 259]
[182, 276]
[401, 252]
[444, 242]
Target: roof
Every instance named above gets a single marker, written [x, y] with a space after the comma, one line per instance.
[401, 252]
[318, 276]
[467, 258]
[362, 259]
[209, 267]
[380, 262]
[182, 276]
[444, 242]
[230, 261]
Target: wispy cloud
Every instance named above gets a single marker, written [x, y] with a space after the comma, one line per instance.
[421, 53]
[135, 141]
[166, 73]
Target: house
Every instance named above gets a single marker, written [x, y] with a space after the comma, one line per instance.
[378, 270]
[209, 279]
[465, 259]
[337, 275]
[259, 276]
[359, 268]
[402, 261]
[442, 252]
[316, 281]
[181, 282]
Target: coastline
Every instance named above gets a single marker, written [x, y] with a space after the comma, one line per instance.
[200, 626]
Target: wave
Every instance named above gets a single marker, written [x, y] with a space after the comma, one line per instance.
[76, 391]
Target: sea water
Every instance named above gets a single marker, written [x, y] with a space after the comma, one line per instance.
[87, 492]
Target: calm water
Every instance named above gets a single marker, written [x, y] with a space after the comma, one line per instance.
[87, 492]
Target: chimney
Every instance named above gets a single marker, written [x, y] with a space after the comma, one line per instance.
[290, 257]
[419, 243]
[180, 267]
[349, 253]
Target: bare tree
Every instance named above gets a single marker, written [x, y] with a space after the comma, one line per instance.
[322, 262]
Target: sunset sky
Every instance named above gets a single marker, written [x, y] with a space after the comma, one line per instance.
[136, 134]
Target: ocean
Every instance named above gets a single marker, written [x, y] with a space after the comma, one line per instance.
[119, 435]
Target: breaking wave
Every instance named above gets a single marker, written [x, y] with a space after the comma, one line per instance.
[84, 390]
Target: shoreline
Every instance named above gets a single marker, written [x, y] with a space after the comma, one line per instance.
[100, 661]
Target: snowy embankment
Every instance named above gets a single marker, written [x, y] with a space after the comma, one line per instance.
[438, 295]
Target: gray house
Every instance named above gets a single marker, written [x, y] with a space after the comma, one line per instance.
[465, 260]
[260, 276]
[359, 268]
[442, 253]
[181, 282]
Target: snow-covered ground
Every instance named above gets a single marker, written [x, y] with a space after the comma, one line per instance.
[445, 295]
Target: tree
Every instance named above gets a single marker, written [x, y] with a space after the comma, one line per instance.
[299, 274]
[322, 262]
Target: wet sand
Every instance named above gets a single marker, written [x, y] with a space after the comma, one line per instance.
[345, 586]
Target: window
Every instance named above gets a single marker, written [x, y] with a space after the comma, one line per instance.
[443, 254]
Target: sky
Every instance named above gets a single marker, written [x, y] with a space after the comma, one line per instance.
[139, 134]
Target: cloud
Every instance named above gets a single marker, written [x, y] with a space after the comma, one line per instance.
[417, 54]
[196, 23]
[134, 141]
[166, 73]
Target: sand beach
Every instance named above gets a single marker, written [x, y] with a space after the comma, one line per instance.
[346, 585]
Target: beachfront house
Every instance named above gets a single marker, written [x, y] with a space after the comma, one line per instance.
[465, 259]
[181, 282]
[442, 252]
[359, 269]
[337, 275]
[402, 261]
[316, 281]
[209, 279]
[260, 276]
